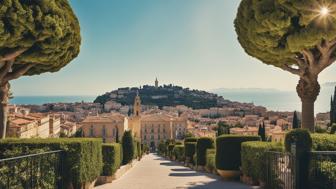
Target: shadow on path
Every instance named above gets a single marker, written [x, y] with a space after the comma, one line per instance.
[182, 169]
[185, 174]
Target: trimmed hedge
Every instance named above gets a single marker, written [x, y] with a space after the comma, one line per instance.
[210, 159]
[162, 148]
[128, 147]
[178, 152]
[203, 144]
[302, 139]
[324, 142]
[253, 156]
[189, 151]
[111, 158]
[170, 150]
[190, 139]
[82, 156]
[228, 149]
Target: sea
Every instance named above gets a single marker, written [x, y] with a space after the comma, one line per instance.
[271, 99]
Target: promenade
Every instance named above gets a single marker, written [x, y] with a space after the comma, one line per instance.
[154, 172]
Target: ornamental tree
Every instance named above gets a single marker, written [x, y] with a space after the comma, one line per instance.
[298, 36]
[35, 37]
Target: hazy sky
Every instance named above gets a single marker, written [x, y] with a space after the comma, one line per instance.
[191, 43]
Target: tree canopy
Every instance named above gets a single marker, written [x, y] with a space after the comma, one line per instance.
[37, 36]
[277, 31]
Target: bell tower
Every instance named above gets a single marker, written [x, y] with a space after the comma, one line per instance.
[137, 105]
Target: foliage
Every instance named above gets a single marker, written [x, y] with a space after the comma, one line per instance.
[170, 150]
[323, 142]
[128, 147]
[83, 156]
[295, 121]
[189, 151]
[190, 139]
[262, 132]
[178, 152]
[222, 128]
[324, 175]
[253, 156]
[111, 158]
[302, 139]
[175, 95]
[47, 32]
[228, 148]
[135, 150]
[202, 145]
[333, 109]
[333, 129]
[210, 159]
[162, 148]
[319, 129]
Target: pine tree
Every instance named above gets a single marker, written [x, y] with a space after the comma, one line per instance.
[295, 121]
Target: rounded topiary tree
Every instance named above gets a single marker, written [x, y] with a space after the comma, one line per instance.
[298, 36]
[35, 37]
[127, 147]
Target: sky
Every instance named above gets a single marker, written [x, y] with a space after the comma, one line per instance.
[190, 43]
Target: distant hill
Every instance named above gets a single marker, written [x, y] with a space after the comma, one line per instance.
[167, 95]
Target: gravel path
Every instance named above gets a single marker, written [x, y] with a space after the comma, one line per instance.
[154, 172]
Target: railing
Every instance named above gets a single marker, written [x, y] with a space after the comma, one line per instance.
[322, 170]
[281, 169]
[35, 171]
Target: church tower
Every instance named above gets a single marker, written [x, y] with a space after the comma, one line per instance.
[156, 83]
[137, 105]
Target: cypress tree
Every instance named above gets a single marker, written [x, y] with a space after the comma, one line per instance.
[332, 109]
[333, 120]
[128, 147]
[295, 121]
[117, 136]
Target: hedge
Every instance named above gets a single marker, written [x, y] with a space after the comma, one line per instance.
[202, 145]
[228, 151]
[128, 147]
[190, 139]
[324, 142]
[178, 152]
[162, 148]
[301, 138]
[135, 150]
[210, 159]
[111, 158]
[189, 151]
[139, 149]
[170, 150]
[253, 158]
[82, 156]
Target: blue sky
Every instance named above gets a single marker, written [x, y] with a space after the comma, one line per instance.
[191, 43]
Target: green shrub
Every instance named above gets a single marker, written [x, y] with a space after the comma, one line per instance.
[178, 143]
[162, 148]
[170, 150]
[128, 147]
[324, 142]
[301, 138]
[178, 152]
[228, 149]
[333, 129]
[139, 149]
[135, 150]
[210, 159]
[202, 145]
[324, 175]
[189, 151]
[111, 158]
[82, 156]
[253, 156]
[190, 139]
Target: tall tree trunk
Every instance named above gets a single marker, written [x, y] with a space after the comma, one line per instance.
[308, 89]
[4, 89]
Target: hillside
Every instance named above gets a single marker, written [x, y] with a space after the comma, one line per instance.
[167, 95]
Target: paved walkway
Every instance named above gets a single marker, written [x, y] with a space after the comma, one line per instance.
[154, 172]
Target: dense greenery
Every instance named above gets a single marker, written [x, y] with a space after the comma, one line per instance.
[111, 158]
[36, 37]
[333, 108]
[128, 147]
[178, 152]
[162, 148]
[228, 151]
[323, 142]
[253, 156]
[190, 139]
[189, 151]
[301, 138]
[170, 150]
[168, 95]
[210, 160]
[294, 36]
[295, 124]
[202, 145]
[222, 128]
[83, 157]
[262, 131]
